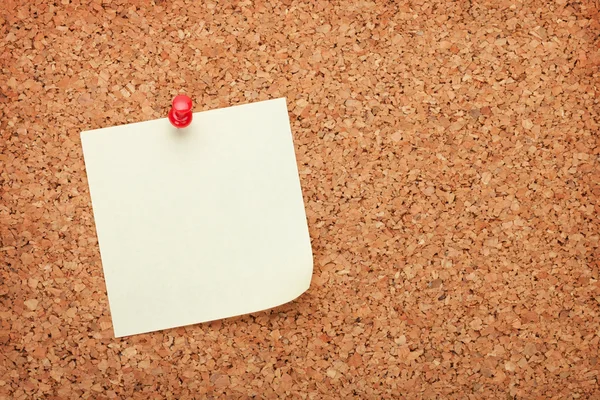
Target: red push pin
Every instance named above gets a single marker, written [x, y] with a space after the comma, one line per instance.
[181, 112]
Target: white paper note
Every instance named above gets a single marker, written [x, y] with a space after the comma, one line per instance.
[201, 223]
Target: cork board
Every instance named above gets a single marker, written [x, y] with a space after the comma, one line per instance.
[449, 155]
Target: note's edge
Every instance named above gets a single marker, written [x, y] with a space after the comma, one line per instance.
[196, 113]
[119, 334]
[84, 136]
[303, 288]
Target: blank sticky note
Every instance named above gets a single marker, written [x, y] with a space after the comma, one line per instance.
[201, 223]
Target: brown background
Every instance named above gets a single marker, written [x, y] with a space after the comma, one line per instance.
[449, 158]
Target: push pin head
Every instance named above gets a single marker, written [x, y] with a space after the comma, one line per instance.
[181, 112]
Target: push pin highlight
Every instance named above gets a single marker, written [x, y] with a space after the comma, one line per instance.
[181, 112]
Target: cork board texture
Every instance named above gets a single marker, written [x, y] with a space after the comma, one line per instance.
[448, 155]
